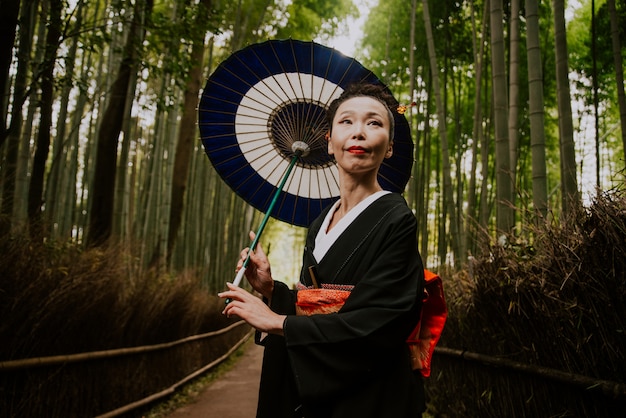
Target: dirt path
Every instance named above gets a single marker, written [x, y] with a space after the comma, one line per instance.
[234, 395]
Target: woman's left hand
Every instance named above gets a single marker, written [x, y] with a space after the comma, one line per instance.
[252, 310]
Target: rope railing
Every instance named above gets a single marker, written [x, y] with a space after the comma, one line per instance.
[613, 389]
[93, 355]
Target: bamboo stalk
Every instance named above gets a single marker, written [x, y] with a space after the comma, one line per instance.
[92, 355]
[613, 389]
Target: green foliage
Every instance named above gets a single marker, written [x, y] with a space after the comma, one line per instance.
[310, 18]
[579, 38]
[172, 33]
[386, 41]
[581, 51]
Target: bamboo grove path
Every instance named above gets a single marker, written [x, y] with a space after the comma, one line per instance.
[233, 395]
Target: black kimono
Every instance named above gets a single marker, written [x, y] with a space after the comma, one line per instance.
[354, 363]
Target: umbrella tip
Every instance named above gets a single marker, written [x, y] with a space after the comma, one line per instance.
[301, 148]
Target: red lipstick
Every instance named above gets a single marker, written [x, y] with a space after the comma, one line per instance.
[356, 150]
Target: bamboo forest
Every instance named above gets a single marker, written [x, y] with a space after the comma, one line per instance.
[100, 140]
[516, 112]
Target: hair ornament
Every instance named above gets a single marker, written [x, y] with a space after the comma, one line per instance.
[401, 109]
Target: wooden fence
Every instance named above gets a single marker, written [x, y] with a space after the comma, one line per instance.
[467, 384]
[114, 382]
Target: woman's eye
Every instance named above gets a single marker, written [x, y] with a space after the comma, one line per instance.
[345, 121]
[376, 123]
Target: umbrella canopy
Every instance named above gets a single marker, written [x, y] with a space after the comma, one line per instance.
[268, 96]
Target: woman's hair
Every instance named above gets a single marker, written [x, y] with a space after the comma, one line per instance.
[375, 91]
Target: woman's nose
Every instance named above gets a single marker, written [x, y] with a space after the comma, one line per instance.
[358, 131]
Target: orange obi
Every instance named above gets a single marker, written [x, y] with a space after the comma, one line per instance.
[327, 299]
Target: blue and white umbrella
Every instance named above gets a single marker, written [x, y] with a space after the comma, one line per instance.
[262, 119]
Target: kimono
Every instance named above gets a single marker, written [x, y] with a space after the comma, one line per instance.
[353, 363]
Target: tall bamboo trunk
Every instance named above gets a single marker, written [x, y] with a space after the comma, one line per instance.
[514, 64]
[536, 112]
[8, 24]
[102, 205]
[477, 129]
[20, 208]
[569, 185]
[447, 177]
[12, 173]
[187, 132]
[59, 163]
[35, 194]
[619, 72]
[504, 184]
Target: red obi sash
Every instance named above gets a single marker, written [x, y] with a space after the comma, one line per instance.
[426, 334]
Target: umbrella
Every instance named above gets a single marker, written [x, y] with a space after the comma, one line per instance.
[262, 118]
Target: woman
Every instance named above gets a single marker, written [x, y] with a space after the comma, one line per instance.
[353, 363]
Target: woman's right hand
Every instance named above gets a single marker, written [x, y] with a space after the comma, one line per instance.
[258, 272]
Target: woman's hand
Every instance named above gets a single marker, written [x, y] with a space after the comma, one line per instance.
[258, 271]
[252, 310]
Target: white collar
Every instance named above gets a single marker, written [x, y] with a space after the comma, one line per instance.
[325, 239]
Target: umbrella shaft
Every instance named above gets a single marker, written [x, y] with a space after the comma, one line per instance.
[255, 241]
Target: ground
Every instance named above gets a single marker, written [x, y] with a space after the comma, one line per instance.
[234, 395]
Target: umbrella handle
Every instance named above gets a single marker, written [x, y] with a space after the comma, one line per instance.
[244, 266]
[239, 276]
[237, 280]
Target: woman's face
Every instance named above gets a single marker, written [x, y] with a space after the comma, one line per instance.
[359, 138]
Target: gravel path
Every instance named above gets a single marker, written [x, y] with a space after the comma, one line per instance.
[233, 395]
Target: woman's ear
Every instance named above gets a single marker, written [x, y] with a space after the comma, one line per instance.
[389, 152]
[330, 147]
